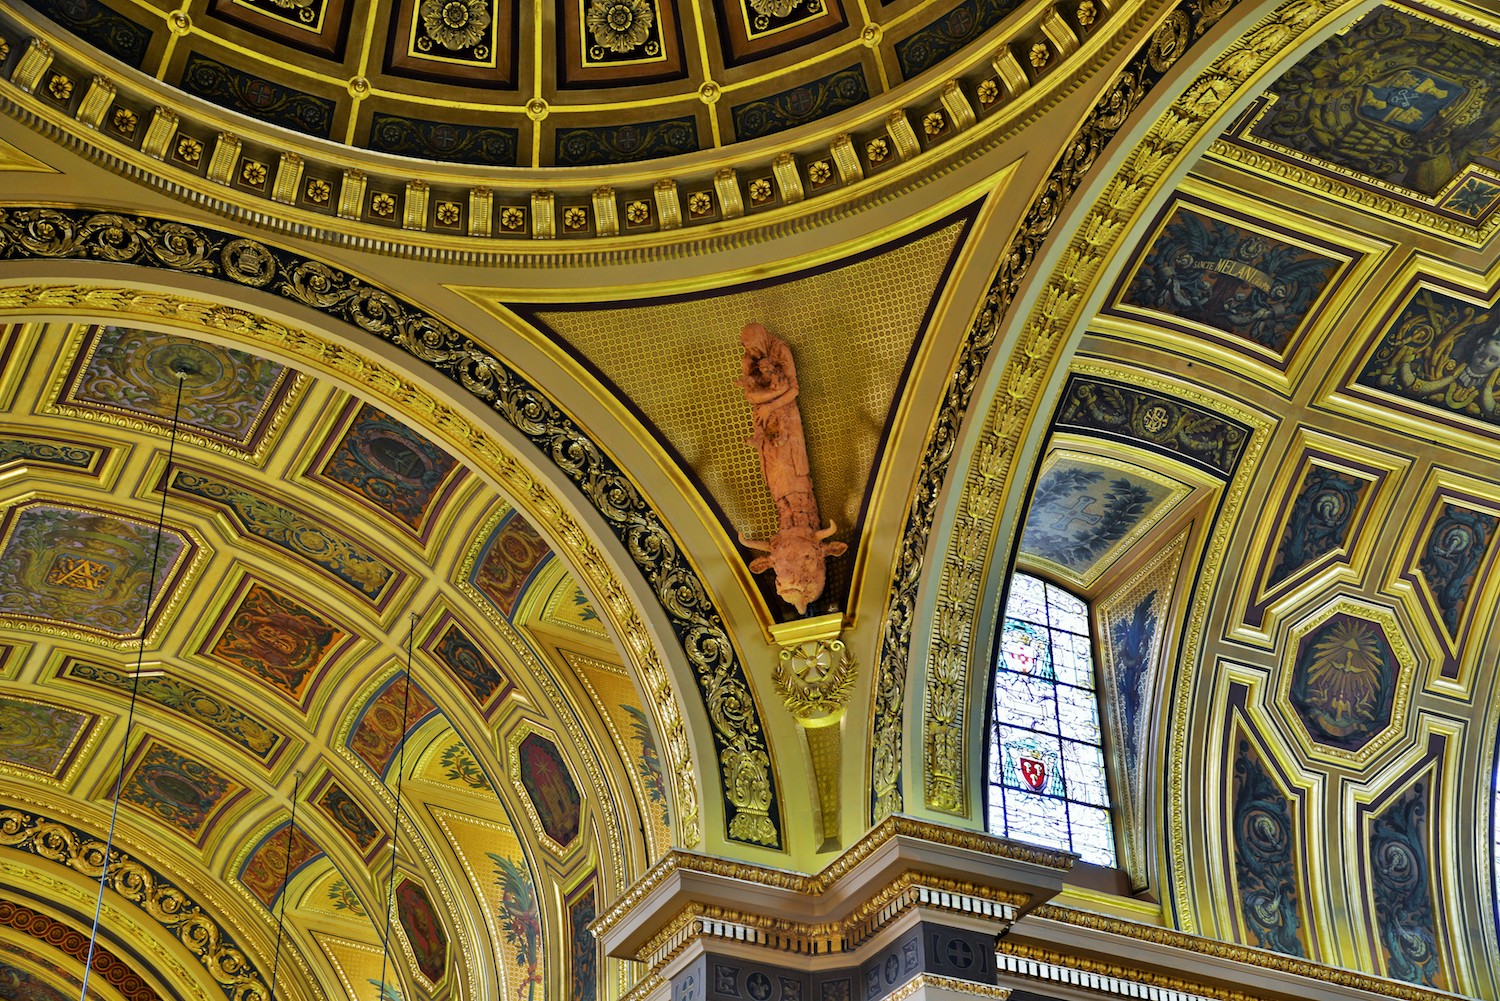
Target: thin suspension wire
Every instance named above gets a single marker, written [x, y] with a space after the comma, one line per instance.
[135, 685]
[286, 877]
[390, 897]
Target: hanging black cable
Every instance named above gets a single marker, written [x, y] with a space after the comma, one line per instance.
[135, 685]
[390, 897]
[286, 877]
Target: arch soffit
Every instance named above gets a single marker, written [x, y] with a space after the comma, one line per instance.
[950, 611]
[232, 315]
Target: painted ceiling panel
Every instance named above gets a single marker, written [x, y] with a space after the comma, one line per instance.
[275, 656]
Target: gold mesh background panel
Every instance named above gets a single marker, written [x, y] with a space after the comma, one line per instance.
[677, 363]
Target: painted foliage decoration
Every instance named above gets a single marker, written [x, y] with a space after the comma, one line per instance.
[1319, 520]
[350, 818]
[550, 788]
[213, 712]
[39, 736]
[376, 734]
[1230, 278]
[1265, 853]
[1132, 639]
[1455, 547]
[648, 766]
[266, 869]
[424, 932]
[474, 669]
[1400, 883]
[1344, 681]
[520, 923]
[1441, 352]
[182, 792]
[583, 985]
[1396, 97]
[1079, 511]
[228, 396]
[299, 534]
[85, 569]
[510, 556]
[458, 765]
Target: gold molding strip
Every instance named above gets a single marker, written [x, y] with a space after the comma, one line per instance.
[288, 177]
[481, 211]
[352, 194]
[844, 936]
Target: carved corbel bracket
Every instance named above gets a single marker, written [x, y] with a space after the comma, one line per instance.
[814, 676]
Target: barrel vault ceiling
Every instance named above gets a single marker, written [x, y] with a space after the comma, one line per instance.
[1266, 454]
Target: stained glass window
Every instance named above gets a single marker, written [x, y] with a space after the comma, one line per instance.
[1047, 783]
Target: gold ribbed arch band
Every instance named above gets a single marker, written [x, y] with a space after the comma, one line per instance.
[46, 233]
[1040, 347]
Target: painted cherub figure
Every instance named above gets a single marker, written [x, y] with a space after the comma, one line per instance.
[1462, 370]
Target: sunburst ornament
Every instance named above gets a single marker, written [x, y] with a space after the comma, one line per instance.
[1345, 676]
[620, 25]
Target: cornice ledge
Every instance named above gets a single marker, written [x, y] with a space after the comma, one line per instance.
[933, 865]
[1094, 944]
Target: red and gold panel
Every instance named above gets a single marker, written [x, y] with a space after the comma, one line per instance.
[506, 562]
[276, 639]
[270, 863]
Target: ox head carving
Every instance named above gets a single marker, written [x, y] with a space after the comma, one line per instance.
[797, 555]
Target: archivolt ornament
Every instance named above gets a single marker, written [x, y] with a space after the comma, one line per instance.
[168, 905]
[749, 785]
[1192, 114]
[1040, 344]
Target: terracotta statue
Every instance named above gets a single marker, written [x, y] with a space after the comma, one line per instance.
[798, 549]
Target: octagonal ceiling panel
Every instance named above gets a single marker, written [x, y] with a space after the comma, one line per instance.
[228, 397]
[85, 570]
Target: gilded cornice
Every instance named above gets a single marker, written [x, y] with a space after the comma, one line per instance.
[828, 938]
[821, 882]
[1232, 952]
[839, 147]
[637, 644]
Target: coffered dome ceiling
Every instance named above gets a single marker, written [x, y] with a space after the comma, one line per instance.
[1263, 397]
[306, 534]
[523, 83]
[1272, 469]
